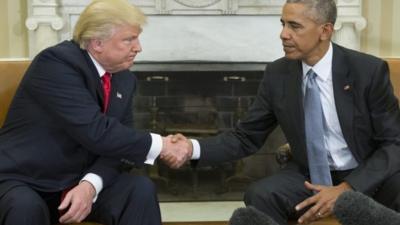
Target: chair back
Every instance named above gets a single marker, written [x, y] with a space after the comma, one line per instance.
[11, 73]
[394, 67]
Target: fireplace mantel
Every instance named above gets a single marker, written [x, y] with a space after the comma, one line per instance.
[194, 30]
[179, 66]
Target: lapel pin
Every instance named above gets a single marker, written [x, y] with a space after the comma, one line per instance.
[347, 87]
[119, 95]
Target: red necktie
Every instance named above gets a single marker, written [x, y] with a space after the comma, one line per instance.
[106, 78]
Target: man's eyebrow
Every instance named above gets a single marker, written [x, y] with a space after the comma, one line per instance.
[292, 22]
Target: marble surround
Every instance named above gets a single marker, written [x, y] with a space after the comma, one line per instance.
[194, 30]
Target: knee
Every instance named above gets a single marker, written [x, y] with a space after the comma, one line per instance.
[396, 204]
[25, 203]
[142, 187]
[144, 183]
[256, 193]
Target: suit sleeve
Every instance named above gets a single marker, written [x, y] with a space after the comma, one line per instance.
[62, 90]
[384, 159]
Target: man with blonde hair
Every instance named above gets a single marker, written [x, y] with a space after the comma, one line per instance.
[69, 129]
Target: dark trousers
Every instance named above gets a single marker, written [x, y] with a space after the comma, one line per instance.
[131, 200]
[278, 194]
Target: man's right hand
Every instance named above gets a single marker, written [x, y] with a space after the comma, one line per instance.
[77, 203]
[176, 150]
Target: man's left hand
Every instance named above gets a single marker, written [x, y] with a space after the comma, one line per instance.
[78, 202]
[322, 202]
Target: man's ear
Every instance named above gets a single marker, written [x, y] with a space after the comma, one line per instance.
[327, 31]
[96, 45]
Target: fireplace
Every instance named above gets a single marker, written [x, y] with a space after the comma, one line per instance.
[201, 100]
[198, 73]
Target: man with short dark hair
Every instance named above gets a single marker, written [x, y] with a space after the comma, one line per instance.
[338, 112]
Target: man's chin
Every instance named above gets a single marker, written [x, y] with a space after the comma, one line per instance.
[121, 67]
[291, 56]
[128, 65]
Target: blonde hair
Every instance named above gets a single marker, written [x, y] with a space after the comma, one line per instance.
[100, 17]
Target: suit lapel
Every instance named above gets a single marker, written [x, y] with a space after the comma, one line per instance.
[114, 95]
[118, 95]
[295, 105]
[295, 93]
[343, 92]
[94, 81]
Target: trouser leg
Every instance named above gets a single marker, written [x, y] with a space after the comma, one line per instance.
[278, 194]
[389, 193]
[19, 204]
[131, 200]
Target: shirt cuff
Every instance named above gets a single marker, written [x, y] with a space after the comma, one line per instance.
[96, 181]
[155, 149]
[196, 149]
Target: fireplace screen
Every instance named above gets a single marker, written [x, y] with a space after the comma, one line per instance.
[200, 104]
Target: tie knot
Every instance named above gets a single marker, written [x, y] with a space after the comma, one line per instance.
[106, 79]
[106, 76]
[311, 74]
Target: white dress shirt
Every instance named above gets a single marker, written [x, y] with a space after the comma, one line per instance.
[339, 154]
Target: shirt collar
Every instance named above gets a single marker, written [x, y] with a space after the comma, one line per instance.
[323, 68]
[99, 68]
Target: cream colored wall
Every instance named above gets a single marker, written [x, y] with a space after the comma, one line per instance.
[13, 34]
[380, 38]
[382, 35]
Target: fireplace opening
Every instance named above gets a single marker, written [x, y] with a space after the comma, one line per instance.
[199, 104]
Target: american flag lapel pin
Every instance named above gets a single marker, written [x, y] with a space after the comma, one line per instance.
[119, 95]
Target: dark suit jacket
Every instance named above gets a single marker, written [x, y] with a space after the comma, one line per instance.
[55, 131]
[368, 114]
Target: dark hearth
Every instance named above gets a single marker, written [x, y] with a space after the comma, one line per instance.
[200, 104]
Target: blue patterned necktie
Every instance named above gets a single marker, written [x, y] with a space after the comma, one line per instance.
[317, 154]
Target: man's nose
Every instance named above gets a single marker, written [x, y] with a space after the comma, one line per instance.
[137, 47]
[284, 33]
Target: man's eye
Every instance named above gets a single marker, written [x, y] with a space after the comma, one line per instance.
[295, 26]
[129, 40]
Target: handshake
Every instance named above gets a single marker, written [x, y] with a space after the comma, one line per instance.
[176, 150]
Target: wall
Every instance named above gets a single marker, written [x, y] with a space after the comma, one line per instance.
[13, 38]
[379, 38]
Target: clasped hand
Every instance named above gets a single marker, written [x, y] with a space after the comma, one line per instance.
[176, 150]
[321, 204]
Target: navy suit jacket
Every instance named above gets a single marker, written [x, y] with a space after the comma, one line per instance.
[55, 131]
[367, 109]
